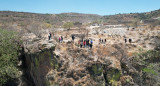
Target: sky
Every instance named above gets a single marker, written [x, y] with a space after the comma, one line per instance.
[101, 7]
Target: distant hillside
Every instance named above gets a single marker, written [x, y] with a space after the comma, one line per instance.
[77, 17]
[152, 17]
[31, 21]
[54, 19]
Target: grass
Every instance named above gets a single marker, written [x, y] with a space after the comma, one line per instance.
[149, 70]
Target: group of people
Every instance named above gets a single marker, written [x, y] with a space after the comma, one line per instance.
[130, 40]
[102, 40]
[60, 39]
[86, 43]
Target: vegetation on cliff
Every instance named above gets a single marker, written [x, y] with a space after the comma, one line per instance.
[9, 51]
[147, 64]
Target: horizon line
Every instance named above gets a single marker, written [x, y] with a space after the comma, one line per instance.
[76, 12]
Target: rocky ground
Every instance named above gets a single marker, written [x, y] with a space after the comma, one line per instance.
[110, 63]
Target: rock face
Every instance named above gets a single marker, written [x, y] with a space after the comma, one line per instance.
[72, 66]
[39, 59]
[100, 66]
[48, 63]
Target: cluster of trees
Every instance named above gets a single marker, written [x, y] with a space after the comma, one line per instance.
[9, 52]
[69, 25]
[144, 16]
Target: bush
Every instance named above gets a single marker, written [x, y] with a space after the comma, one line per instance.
[68, 25]
[147, 63]
[9, 49]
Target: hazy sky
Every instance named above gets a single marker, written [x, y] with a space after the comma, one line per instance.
[101, 7]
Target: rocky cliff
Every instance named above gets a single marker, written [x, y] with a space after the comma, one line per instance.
[49, 63]
[38, 60]
[68, 65]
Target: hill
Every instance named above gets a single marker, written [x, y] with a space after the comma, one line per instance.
[24, 18]
[28, 21]
[152, 17]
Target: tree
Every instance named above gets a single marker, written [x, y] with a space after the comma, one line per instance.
[9, 49]
[78, 24]
[68, 25]
[133, 24]
[47, 25]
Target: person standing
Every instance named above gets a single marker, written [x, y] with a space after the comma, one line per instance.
[49, 36]
[81, 44]
[125, 40]
[87, 42]
[73, 37]
[91, 44]
[91, 41]
[130, 41]
[99, 40]
[84, 43]
[61, 39]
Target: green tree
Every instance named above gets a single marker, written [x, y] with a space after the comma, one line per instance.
[78, 24]
[68, 25]
[9, 49]
[47, 25]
